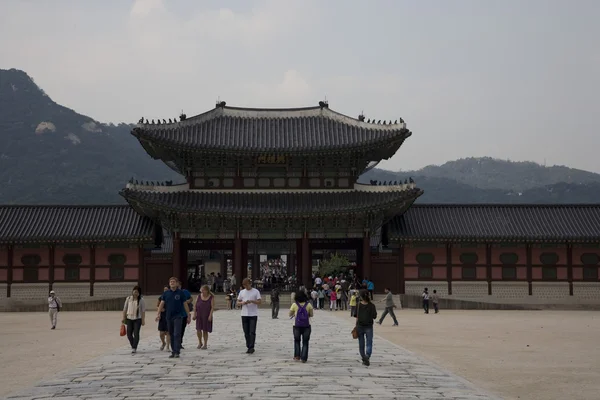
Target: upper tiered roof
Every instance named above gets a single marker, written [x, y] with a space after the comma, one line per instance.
[259, 130]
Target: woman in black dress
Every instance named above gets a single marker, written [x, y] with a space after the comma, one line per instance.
[163, 329]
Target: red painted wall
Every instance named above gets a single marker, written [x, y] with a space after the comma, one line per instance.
[131, 273]
[84, 274]
[411, 272]
[562, 273]
[59, 274]
[132, 255]
[520, 251]
[43, 274]
[440, 273]
[59, 253]
[457, 251]
[43, 252]
[3, 275]
[439, 254]
[17, 274]
[522, 273]
[578, 251]
[482, 273]
[102, 274]
[537, 251]
[3, 256]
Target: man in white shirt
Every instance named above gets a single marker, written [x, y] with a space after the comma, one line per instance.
[54, 305]
[249, 299]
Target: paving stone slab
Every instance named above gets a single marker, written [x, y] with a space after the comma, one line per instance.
[224, 371]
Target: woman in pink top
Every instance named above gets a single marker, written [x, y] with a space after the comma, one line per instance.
[332, 300]
[205, 304]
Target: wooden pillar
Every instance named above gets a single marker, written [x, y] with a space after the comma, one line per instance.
[529, 269]
[141, 270]
[223, 268]
[570, 267]
[237, 260]
[400, 263]
[9, 262]
[366, 256]
[92, 268]
[298, 271]
[306, 263]
[488, 265]
[245, 259]
[183, 260]
[51, 260]
[255, 265]
[176, 254]
[291, 264]
[449, 266]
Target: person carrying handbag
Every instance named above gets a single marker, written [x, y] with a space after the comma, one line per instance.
[366, 313]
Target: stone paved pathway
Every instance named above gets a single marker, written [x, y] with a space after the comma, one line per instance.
[224, 371]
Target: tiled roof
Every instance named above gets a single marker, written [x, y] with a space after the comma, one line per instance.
[73, 223]
[498, 222]
[273, 130]
[269, 203]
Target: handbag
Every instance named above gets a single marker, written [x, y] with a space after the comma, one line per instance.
[354, 330]
[123, 331]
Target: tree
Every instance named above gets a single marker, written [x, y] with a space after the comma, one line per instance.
[333, 265]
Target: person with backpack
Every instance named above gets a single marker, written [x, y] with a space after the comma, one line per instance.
[301, 312]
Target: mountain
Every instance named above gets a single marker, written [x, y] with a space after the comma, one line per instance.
[50, 154]
[491, 173]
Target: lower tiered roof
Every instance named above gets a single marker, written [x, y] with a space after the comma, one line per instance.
[270, 203]
[498, 222]
[20, 224]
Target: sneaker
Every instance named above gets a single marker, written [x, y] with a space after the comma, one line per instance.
[395, 325]
[303, 361]
[162, 347]
[250, 351]
[182, 348]
[177, 355]
[172, 355]
[53, 327]
[133, 351]
[296, 358]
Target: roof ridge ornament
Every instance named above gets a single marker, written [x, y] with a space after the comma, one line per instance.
[324, 103]
[361, 117]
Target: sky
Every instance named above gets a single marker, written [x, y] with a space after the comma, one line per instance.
[509, 79]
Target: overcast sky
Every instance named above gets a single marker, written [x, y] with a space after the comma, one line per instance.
[514, 80]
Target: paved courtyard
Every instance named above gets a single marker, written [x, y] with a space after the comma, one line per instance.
[224, 371]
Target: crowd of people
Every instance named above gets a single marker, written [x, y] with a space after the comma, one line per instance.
[176, 310]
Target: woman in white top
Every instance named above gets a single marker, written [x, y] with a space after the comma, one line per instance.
[134, 316]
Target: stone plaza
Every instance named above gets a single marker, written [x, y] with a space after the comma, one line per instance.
[224, 371]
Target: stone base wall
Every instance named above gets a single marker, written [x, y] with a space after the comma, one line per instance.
[552, 291]
[35, 292]
[3, 287]
[518, 291]
[469, 290]
[416, 287]
[586, 290]
[69, 292]
[112, 290]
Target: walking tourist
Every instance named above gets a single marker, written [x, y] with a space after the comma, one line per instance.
[435, 299]
[353, 300]
[389, 307]
[177, 308]
[54, 305]
[365, 315]
[249, 298]
[314, 297]
[321, 294]
[370, 288]
[426, 300]
[332, 300]
[301, 311]
[163, 329]
[190, 301]
[275, 303]
[134, 316]
[205, 305]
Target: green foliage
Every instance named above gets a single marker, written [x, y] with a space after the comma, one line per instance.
[334, 265]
